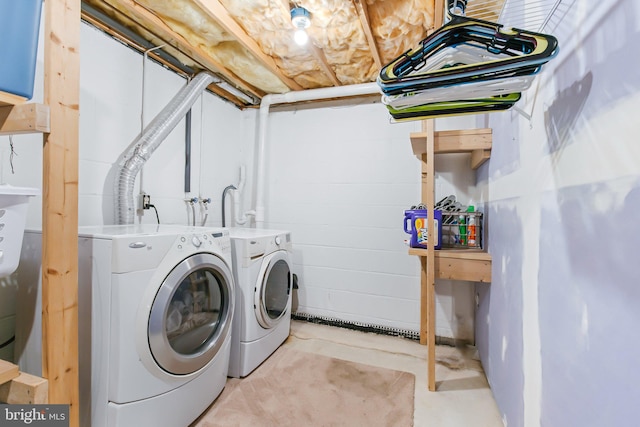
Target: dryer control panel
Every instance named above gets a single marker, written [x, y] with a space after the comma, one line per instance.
[253, 248]
[278, 242]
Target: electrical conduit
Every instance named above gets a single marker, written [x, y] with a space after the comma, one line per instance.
[141, 149]
[288, 98]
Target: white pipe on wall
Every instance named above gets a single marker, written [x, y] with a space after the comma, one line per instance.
[240, 217]
[289, 98]
[142, 119]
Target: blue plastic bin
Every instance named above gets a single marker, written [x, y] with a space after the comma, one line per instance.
[19, 28]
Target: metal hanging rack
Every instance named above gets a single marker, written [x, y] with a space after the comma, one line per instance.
[532, 15]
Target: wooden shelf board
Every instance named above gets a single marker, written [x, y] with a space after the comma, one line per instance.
[475, 141]
[8, 371]
[7, 98]
[460, 264]
[24, 118]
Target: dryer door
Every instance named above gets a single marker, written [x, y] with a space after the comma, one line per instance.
[273, 289]
[191, 314]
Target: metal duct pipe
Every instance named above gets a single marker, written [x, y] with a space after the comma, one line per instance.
[141, 149]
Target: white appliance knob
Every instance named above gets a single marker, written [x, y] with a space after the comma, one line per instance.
[277, 240]
[196, 242]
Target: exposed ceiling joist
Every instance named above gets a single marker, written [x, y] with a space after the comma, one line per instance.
[218, 12]
[120, 33]
[324, 64]
[150, 20]
[363, 14]
[438, 17]
[249, 44]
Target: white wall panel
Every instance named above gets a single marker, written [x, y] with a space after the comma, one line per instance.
[380, 284]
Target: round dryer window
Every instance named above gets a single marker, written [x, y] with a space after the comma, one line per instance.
[273, 290]
[191, 314]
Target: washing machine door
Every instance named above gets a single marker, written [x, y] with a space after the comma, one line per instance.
[191, 314]
[273, 289]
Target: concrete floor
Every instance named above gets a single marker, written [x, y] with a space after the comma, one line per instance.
[463, 397]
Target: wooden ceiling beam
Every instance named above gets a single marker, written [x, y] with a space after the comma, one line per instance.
[286, 7]
[363, 14]
[220, 14]
[438, 14]
[147, 19]
[222, 93]
[324, 64]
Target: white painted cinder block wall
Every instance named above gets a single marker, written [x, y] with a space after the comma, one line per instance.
[340, 178]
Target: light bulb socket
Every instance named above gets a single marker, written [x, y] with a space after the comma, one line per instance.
[300, 17]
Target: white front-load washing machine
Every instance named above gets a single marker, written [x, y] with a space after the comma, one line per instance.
[262, 270]
[155, 307]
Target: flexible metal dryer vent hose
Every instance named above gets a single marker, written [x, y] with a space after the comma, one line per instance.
[141, 149]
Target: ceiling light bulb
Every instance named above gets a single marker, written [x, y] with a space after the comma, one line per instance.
[301, 37]
[300, 17]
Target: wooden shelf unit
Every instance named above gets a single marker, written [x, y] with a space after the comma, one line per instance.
[457, 264]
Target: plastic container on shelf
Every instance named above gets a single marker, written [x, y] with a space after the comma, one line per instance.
[19, 30]
[415, 223]
[13, 218]
[471, 228]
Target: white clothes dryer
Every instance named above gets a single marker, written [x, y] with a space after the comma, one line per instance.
[155, 307]
[262, 271]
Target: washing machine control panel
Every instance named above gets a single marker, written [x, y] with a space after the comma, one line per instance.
[205, 240]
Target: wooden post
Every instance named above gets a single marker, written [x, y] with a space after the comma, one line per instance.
[428, 195]
[60, 204]
[428, 198]
[424, 289]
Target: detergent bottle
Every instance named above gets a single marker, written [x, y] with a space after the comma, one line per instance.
[471, 228]
[415, 223]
